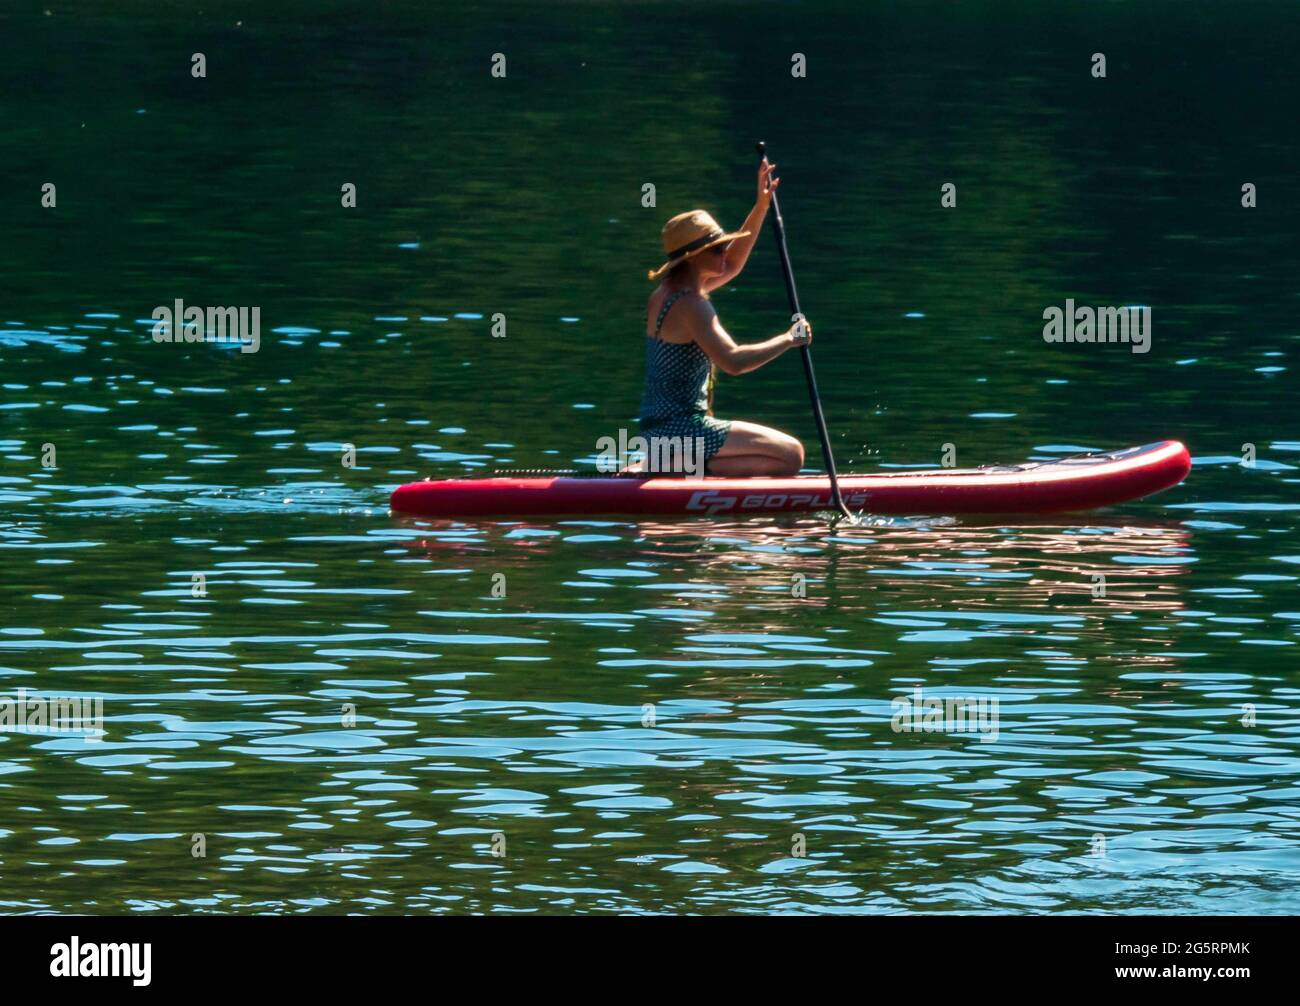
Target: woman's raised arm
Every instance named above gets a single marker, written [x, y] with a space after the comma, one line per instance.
[738, 252]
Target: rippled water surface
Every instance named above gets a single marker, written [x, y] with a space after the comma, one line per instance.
[351, 711]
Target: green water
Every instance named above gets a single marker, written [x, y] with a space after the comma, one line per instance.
[649, 718]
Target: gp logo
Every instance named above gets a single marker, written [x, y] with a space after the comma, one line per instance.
[711, 501]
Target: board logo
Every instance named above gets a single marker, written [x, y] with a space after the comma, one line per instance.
[713, 502]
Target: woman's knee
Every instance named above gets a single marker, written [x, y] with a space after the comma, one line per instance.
[788, 450]
[750, 438]
[792, 455]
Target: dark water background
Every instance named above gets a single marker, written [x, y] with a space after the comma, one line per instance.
[525, 715]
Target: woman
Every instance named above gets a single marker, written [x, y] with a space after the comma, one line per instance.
[686, 344]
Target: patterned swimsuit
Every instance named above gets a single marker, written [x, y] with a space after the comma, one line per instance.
[678, 390]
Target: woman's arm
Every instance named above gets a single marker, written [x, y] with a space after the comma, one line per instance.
[738, 253]
[734, 359]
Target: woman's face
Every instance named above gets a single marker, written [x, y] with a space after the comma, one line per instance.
[713, 261]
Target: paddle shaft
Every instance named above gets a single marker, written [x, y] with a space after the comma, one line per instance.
[778, 229]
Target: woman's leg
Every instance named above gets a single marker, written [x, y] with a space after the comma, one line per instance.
[751, 449]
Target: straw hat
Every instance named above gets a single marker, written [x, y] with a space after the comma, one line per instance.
[688, 234]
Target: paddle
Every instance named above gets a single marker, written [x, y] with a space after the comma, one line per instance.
[778, 228]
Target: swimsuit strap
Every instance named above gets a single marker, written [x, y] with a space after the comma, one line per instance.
[663, 311]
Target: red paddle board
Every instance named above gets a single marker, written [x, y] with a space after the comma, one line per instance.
[1081, 482]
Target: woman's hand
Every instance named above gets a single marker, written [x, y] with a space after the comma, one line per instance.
[800, 333]
[766, 181]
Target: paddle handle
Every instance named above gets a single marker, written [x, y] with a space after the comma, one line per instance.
[778, 229]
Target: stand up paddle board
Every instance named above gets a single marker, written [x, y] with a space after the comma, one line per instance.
[1081, 482]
